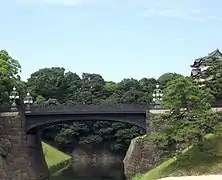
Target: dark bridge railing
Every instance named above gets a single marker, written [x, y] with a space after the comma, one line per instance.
[35, 109]
[5, 108]
[38, 109]
[217, 104]
[90, 108]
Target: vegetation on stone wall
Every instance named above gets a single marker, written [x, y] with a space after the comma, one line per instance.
[191, 161]
[5, 147]
[190, 119]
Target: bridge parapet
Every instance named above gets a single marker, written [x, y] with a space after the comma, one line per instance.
[159, 111]
[90, 108]
[5, 108]
[217, 109]
[121, 108]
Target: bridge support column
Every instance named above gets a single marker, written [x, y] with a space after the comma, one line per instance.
[148, 121]
[151, 115]
[23, 156]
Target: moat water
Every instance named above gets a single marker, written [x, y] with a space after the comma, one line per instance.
[109, 172]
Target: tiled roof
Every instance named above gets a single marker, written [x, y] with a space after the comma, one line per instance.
[198, 61]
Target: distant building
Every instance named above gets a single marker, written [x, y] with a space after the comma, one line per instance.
[199, 65]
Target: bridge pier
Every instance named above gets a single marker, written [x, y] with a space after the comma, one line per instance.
[23, 156]
[148, 115]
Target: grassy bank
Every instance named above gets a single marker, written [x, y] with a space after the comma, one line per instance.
[190, 162]
[55, 159]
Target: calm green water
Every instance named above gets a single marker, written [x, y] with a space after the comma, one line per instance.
[111, 172]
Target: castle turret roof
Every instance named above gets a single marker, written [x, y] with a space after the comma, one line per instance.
[216, 53]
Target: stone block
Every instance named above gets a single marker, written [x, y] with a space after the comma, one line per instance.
[140, 157]
[25, 160]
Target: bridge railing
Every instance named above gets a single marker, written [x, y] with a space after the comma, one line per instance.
[89, 108]
[83, 108]
[5, 108]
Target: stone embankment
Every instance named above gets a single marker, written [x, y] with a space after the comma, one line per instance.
[143, 155]
[140, 157]
[23, 157]
[92, 155]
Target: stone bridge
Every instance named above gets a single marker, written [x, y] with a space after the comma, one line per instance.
[19, 133]
[40, 117]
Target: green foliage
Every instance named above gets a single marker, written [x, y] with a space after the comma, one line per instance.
[53, 156]
[116, 136]
[190, 162]
[40, 100]
[213, 77]
[9, 69]
[48, 82]
[184, 93]
[167, 77]
[5, 147]
[191, 117]
[52, 86]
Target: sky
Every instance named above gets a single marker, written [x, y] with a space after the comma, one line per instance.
[114, 38]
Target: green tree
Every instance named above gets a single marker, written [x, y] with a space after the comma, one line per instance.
[40, 100]
[185, 93]
[191, 117]
[52, 86]
[131, 97]
[93, 87]
[72, 89]
[9, 69]
[128, 84]
[213, 77]
[167, 77]
[48, 82]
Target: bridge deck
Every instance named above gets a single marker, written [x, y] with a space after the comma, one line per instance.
[66, 109]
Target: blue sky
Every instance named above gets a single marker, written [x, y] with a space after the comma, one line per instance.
[115, 38]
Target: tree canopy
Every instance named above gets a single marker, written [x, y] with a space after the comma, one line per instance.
[9, 69]
[55, 86]
[191, 117]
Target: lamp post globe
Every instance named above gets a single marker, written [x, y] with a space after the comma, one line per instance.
[157, 96]
[28, 101]
[14, 95]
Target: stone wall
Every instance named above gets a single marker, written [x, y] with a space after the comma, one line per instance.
[94, 158]
[24, 159]
[141, 156]
[94, 154]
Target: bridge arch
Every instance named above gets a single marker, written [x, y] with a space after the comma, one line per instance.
[39, 121]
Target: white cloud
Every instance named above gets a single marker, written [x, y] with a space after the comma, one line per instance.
[170, 9]
[179, 13]
[66, 3]
[182, 14]
[213, 17]
[180, 10]
[62, 3]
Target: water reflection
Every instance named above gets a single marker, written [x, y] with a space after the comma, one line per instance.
[98, 172]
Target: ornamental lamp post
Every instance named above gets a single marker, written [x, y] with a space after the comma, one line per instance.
[28, 101]
[14, 95]
[157, 97]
